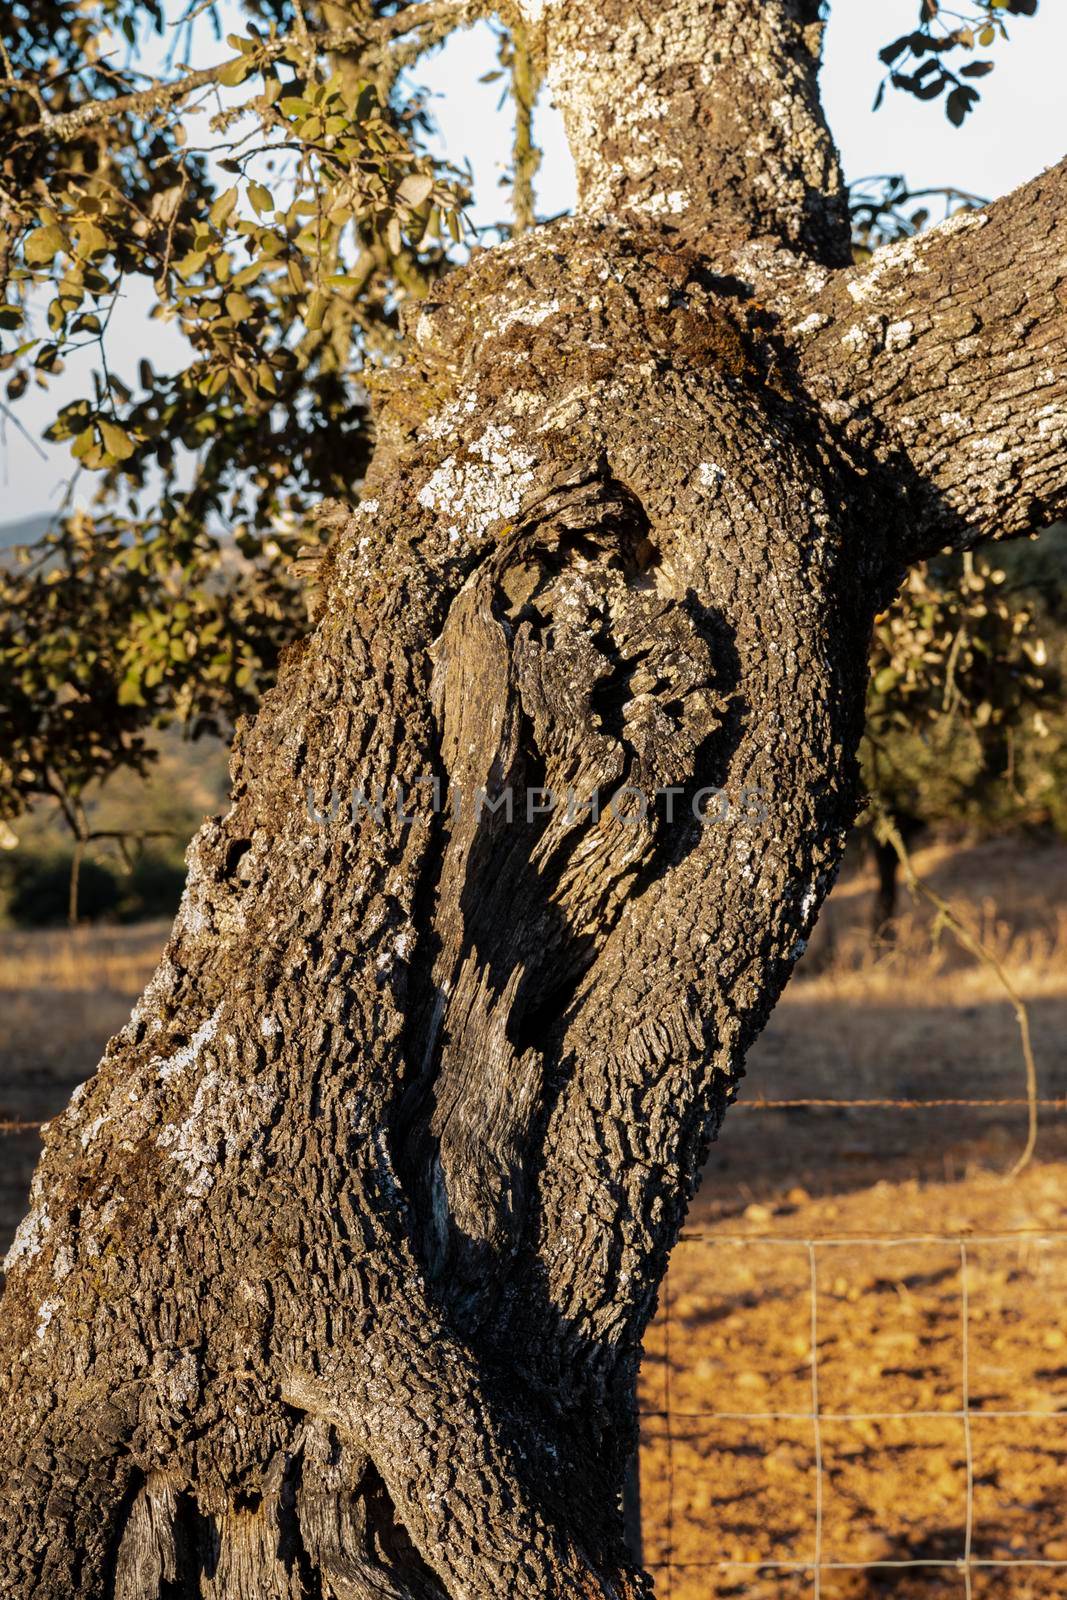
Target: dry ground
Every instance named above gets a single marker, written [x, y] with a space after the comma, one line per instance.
[731, 1458]
[733, 1475]
[791, 1198]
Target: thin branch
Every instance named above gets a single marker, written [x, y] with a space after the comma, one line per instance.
[525, 86]
[946, 915]
[69, 124]
[9, 416]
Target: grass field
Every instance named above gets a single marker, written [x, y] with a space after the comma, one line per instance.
[733, 1474]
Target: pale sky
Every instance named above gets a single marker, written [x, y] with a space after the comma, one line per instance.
[1018, 129]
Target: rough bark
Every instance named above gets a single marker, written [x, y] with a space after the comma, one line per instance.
[944, 358]
[338, 1268]
[706, 117]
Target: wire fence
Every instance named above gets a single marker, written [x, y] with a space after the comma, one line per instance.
[965, 1562]
[1001, 1104]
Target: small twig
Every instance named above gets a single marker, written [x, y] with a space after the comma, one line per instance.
[304, 35]
[966, 938]
[98, 340]
[69, 124]
[191, 13]
[9, 416]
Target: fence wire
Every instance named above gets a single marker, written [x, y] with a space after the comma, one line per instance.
[967, 1564]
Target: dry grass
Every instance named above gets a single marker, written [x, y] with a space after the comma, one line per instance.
[97, 961]
[917, 1019]
[62, 995]
[901, 1021]
[1010, 897]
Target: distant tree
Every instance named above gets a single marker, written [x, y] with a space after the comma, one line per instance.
[282, 250]
[964, 691]
[101, 645]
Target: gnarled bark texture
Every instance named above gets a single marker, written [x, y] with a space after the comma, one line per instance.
[337, 1270]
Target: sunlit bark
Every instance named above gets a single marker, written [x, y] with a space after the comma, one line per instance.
[338, 1269]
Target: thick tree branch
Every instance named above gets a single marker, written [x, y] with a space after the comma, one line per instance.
[703, 114]
[945, 357]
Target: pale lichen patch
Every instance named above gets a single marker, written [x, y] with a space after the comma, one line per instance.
[29, 1237]
[857, 338]
[812, 324]
[529, 316]
[900, 258]
[475, 494]
[899, 335]
[187, 1056]
[664, 203]
[208, 1134]
[448, 420]
[45, 1314]
[63, 1263]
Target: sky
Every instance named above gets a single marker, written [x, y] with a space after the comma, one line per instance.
[1019, 128]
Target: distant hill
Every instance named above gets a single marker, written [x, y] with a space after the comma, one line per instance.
[24, 530]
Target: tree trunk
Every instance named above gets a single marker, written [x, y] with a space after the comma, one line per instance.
[887, 868]
[887, 890]
[338, 1269]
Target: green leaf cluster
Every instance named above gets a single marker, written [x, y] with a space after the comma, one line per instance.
[921, 62]
[965, 719]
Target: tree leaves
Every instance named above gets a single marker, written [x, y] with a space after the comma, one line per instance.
[940, 35]
[959, 103]
[960, 681]
[235, 72]
[415, 190]
[223, 208]
[42, 245]
[281, 263]
[117, 441]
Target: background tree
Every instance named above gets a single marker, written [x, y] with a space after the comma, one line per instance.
[964, 710]
[338, 1268]
[184, 575]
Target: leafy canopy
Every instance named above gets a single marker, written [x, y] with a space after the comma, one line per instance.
[272, 188]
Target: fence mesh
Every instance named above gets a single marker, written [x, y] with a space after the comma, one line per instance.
[813, 1567]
